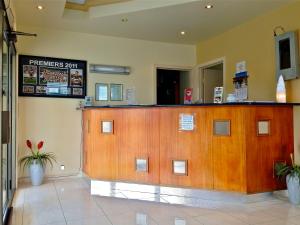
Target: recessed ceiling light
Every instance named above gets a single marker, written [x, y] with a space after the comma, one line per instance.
[209, 6]
[40, 7]
[124, 20]
[182, 32]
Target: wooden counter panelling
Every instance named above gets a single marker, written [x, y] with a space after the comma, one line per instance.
[192, 146]
[228, 151]
[139, 139]
[241, 162]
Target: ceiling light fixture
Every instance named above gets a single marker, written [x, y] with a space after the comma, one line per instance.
[124, 20]
[182, 32]
[209, 6]
[109, 69]
[40, 7]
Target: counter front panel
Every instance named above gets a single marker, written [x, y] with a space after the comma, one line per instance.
[231, 148]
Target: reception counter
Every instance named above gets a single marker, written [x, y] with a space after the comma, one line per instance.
[227, 147]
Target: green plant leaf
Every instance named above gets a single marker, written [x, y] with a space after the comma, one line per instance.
[41, 158]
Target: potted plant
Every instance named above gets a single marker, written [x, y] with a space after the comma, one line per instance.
[36, 162]
[292, 174]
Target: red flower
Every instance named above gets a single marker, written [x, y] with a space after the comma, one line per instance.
[40, 145]
[29, 144]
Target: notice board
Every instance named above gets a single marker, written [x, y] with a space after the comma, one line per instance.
[52, 77]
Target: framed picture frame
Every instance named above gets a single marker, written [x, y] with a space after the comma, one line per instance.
[180, 167]
[142, 164]
[264, 127]
[107, 126]
[116, 92]
[222, 127]
[101, 92]
[51, 77]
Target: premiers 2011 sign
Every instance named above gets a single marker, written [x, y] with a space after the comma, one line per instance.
[51, 77]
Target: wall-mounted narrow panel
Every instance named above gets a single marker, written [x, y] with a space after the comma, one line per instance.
[191, 146]
[105, 147]
[140, 139]
[263, 150]
[87, 145]
[228, 151]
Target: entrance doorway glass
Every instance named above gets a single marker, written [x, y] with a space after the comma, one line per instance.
[8, 97]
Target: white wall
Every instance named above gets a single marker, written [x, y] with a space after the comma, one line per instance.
[56, 120]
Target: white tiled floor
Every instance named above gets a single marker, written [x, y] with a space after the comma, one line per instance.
[68, 202]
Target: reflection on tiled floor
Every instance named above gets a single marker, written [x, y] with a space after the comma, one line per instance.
[68, 202]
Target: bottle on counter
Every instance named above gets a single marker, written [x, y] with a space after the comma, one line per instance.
[231, 98]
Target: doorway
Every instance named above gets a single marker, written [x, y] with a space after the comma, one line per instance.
[211, 76]
[170, 85]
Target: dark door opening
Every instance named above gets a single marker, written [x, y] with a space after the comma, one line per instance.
[168, 87]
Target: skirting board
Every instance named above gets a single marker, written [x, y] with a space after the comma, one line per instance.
[27, 179]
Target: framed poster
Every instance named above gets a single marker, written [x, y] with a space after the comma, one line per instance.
[101, 92]
[116, 92]
[51, 77]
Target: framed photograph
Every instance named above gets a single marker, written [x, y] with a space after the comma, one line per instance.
[101, 92]
[51, 77]
[28, 89]
[77, 91]
[41, 89]
[29, 74]
[76, 77]
[116, 92]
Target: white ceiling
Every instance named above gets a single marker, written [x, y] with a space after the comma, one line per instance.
[156, 20]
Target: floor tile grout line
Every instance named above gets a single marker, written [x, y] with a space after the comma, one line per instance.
[106, 216]
[230, 213]
[23, 207]
[24, 201]
[61, 208]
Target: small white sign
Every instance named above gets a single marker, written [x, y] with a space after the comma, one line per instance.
[130, 96]
[218, 95]
[186, 122]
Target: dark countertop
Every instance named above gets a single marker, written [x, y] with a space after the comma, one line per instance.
[192, 105]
